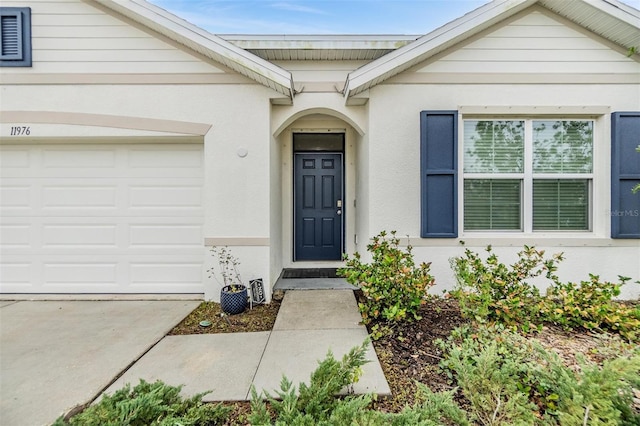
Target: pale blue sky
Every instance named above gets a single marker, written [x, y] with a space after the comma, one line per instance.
[322, 16]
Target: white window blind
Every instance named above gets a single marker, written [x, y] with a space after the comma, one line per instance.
[494, 146]
[543, 165]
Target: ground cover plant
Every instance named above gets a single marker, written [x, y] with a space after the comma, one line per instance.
[509, 379]
[319, 404]
[149, 404]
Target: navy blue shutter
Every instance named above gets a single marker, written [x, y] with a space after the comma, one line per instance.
[625, 174]
[439, 174]
[15, 37]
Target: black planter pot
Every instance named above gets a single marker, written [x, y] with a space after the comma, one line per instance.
[233, 302]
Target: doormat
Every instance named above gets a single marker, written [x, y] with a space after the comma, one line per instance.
[310, 273]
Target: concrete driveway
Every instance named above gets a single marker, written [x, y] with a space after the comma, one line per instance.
[55, 355]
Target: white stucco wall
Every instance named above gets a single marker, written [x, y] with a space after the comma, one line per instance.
[247, 198]
[394, 173]
[236, 194]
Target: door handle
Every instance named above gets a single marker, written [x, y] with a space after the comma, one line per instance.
[339, 212]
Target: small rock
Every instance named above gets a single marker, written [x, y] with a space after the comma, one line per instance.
[278, 295]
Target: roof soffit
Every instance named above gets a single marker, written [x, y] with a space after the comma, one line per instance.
[209, 45]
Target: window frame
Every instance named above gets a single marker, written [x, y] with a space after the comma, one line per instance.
[23, 17]
[527, 176]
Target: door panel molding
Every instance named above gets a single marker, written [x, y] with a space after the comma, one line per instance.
[318, 194]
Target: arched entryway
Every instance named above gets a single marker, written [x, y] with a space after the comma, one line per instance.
[317, 154]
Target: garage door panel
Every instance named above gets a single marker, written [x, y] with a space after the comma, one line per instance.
[69, 159]
[76, 235]
[112, 227]
[176, 273]
[84, 273]
[15, 236]
[14, 197]
[15, 161]
[79, 197]
[166, 197]
[163, 235]
[16, 276]
[100, 236]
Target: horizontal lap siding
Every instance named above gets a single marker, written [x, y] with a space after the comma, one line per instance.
[534, 43]
[75, 37]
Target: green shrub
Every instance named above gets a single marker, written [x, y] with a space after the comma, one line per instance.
[491, 366]
[393, 286]
[318, 404]
[149, 404]
[595, 395]
[314, 403]
[509, 379]
[489, 290]
[590, 305]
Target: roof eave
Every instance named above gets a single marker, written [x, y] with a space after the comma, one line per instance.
[205, 43]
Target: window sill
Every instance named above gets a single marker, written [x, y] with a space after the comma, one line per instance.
[519, 239]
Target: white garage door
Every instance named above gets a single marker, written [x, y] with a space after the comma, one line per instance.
[112, 218]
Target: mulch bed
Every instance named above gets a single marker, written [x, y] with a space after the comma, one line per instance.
[260, 318]
[408, 354]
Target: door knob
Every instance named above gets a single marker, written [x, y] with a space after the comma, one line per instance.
[339, 212]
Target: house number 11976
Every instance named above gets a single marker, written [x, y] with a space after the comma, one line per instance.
[20, 131]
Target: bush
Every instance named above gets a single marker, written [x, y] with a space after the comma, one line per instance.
[509, 379]
[393, 286]
[491, 367]
[489, 290]
[318, 404]
[149, 404]
[317, 401]
[595, 395]
[590, 305]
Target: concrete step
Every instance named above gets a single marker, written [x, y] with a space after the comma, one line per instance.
[312, 284]
[317, 310]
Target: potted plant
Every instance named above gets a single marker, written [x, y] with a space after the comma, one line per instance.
[233, 294]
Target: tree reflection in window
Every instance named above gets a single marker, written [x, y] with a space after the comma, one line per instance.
[493, 146]
[562, 146]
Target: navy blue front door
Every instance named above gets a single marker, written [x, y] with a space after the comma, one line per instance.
[318, 208]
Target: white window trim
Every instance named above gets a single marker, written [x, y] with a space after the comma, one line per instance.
[535, 113]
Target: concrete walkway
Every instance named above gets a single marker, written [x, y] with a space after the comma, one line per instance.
[310, 323]
[59, 354]
[56, 355]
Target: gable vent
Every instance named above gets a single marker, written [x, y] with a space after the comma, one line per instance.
[10, 36]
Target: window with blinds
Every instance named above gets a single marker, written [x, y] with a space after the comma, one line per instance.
[527, 175]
